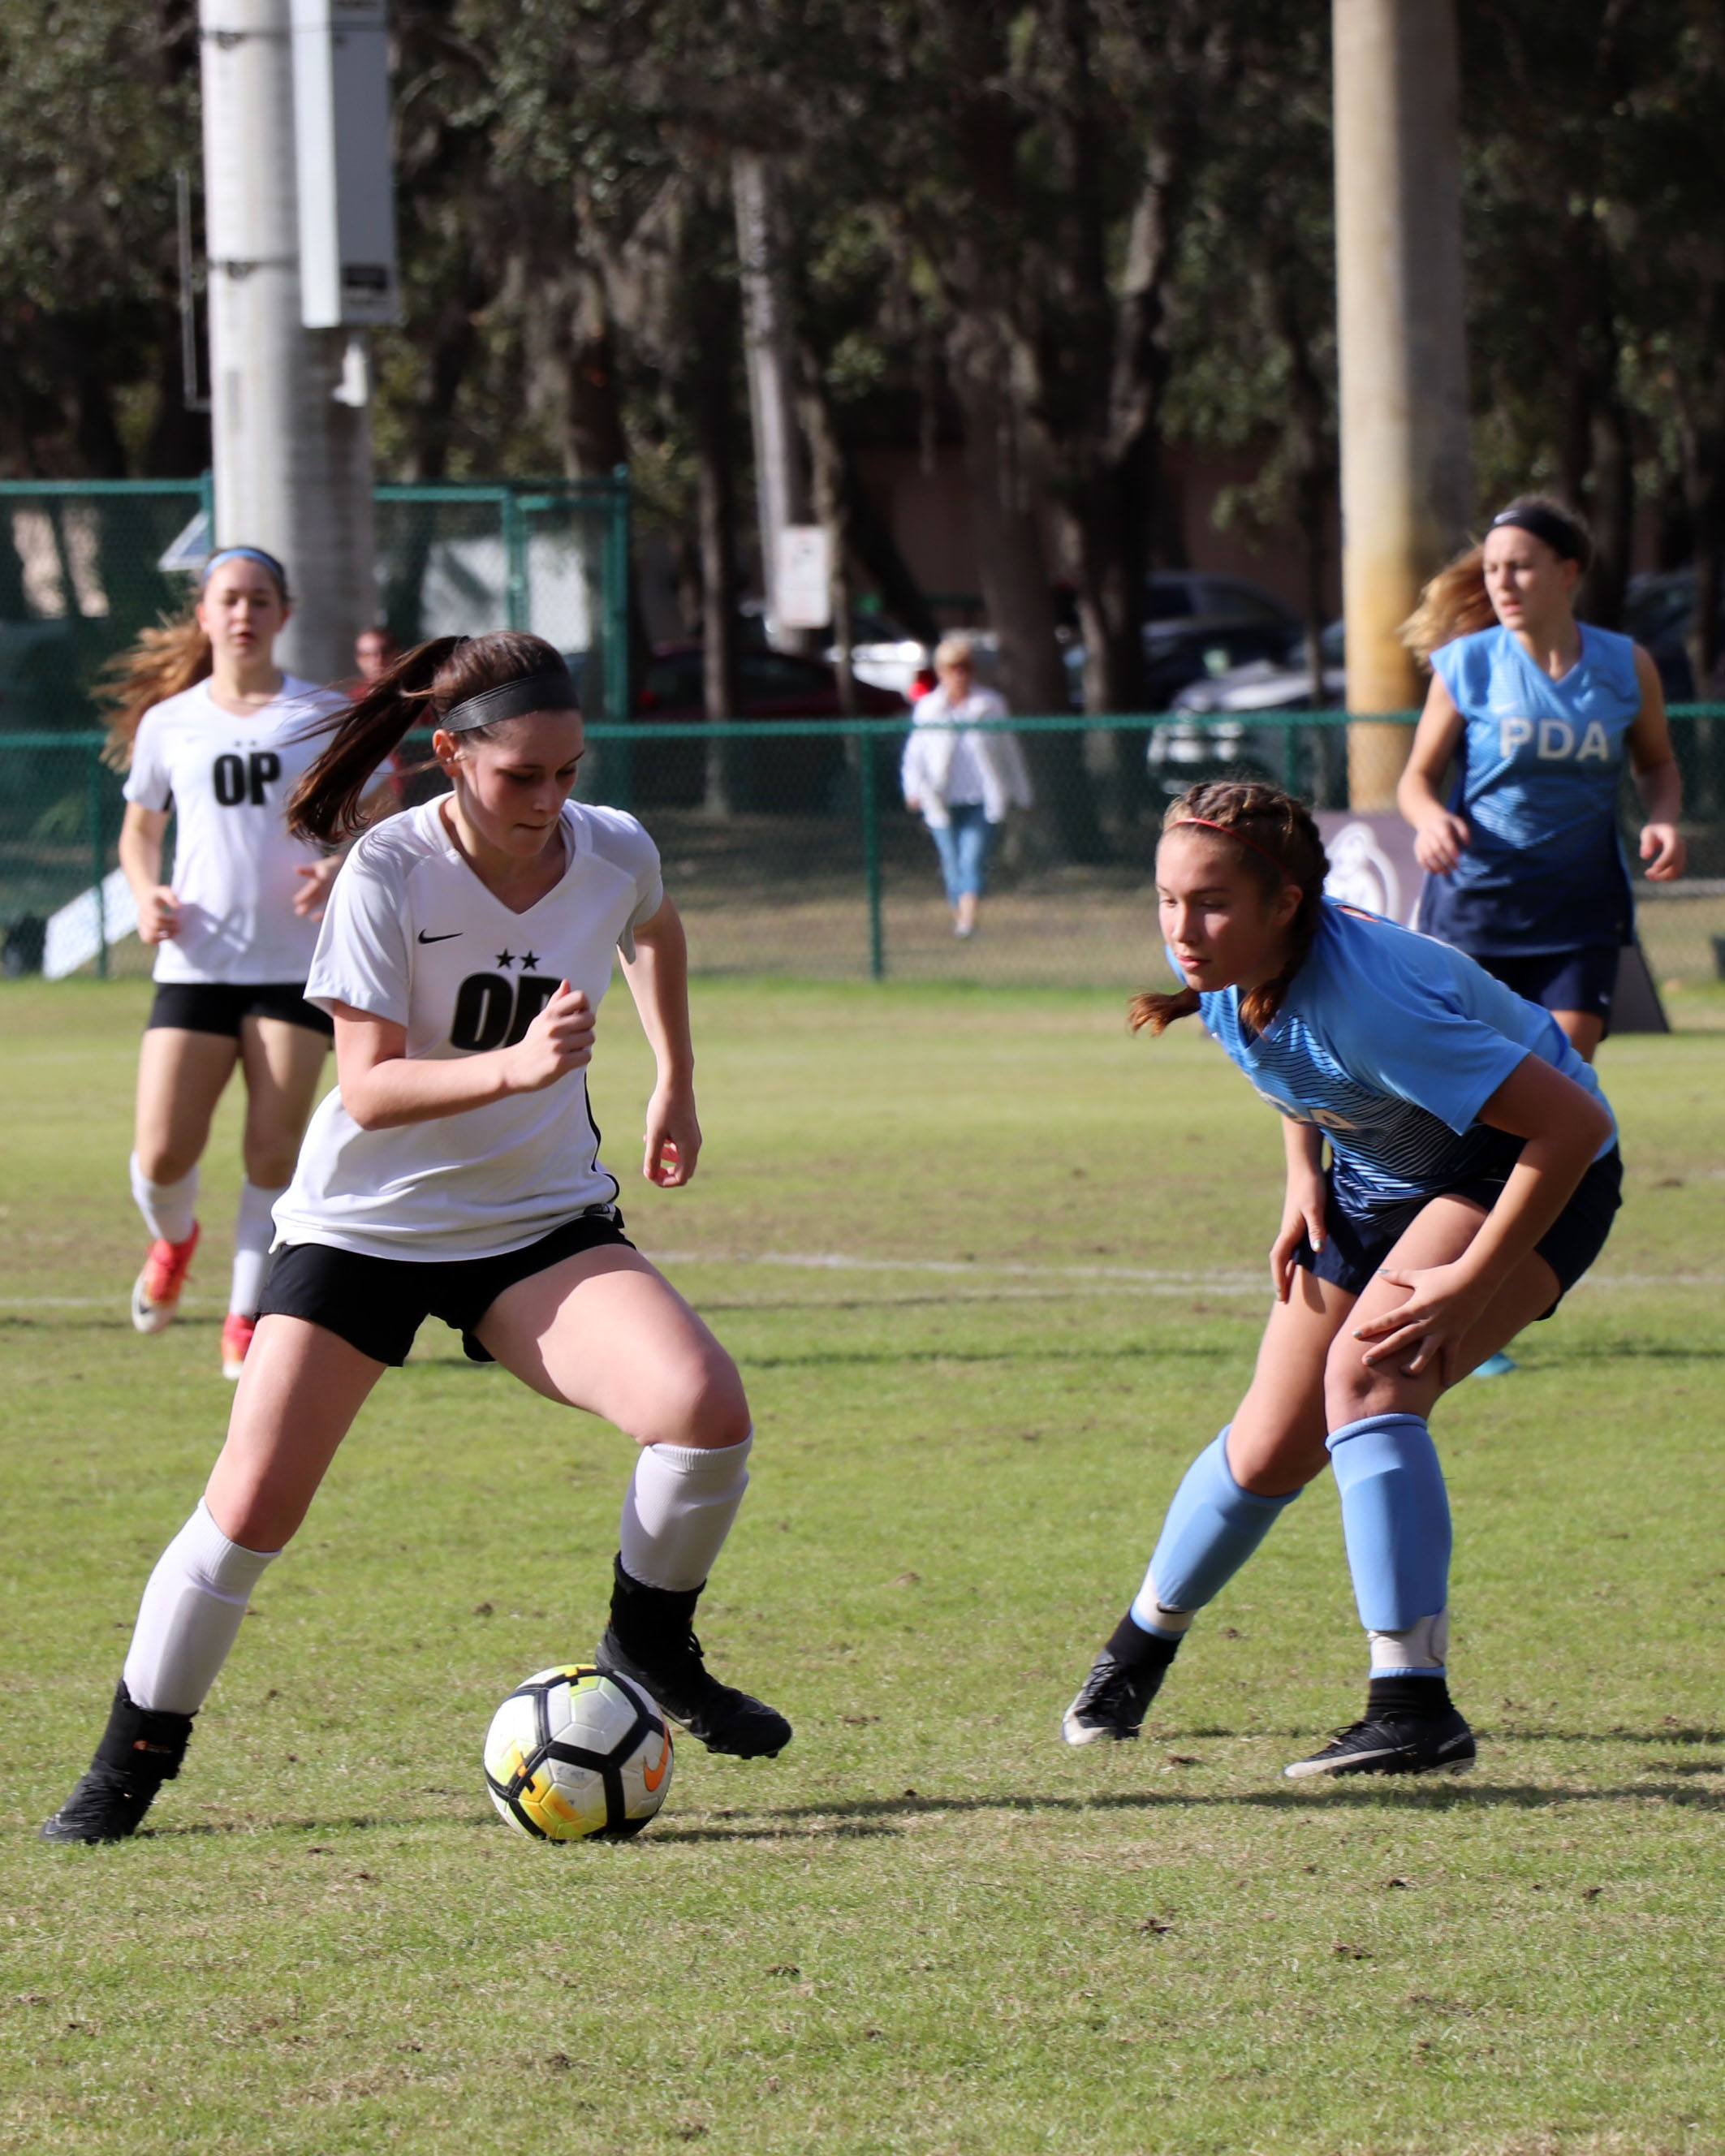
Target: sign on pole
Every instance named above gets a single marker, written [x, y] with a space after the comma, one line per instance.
[802, 589]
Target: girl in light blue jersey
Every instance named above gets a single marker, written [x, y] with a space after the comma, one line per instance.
[1473, 1174]
[1540, 714]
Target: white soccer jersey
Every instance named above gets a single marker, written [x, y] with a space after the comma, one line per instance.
[411, 935]
[227, 778]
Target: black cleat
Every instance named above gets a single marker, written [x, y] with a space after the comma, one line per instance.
[650, 1639]
[1112, 1701]
[141, 1748]
[107, 1805]
[1393, 1744]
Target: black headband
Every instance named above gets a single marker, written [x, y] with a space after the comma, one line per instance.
[551, 691]
[1558, 533]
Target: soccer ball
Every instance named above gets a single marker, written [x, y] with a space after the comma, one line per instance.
[578, 1753]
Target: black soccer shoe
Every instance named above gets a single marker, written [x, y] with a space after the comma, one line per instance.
[1123, 1680]
[651, 1639]
[1393, 1744]
[140, 1749]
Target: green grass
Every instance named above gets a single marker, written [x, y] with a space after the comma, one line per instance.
[927, 1927]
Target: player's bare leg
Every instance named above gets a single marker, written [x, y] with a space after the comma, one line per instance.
[606, 1331]
[283, 1064]
[301, 1391]
[180, 1077]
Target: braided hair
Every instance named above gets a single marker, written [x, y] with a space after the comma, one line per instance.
[1275, 832]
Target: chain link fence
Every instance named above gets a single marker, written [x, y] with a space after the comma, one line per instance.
[85, 565]
[831, 876]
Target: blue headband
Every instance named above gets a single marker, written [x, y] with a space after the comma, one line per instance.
[248, 554]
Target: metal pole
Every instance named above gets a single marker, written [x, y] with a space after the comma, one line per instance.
[516, 605]
[288, 412]
[871, 859]
[1407, 485]
[781, 486]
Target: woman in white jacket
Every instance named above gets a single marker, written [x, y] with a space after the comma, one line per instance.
[961, 778]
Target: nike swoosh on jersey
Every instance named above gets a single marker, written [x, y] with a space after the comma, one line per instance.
[449, 938]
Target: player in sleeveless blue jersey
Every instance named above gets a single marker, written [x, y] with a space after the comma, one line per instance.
[1539, 713]
[1472, 1178]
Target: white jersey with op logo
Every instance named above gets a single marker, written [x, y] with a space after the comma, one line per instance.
[411, 935]
[227, 776]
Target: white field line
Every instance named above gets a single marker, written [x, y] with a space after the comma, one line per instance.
[1154, 1281]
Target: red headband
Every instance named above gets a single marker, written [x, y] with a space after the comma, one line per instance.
[1240, 838]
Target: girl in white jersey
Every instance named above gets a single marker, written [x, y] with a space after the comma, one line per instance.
[1473, 1179]
[212, 732]
[454, 1172]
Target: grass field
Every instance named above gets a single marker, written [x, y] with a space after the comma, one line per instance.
[927, 1927]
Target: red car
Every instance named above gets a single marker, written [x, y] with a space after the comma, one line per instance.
[785, 774]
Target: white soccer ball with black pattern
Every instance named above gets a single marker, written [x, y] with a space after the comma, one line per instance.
[577, 1754]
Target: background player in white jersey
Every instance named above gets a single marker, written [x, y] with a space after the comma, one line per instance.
[1539, 713]
[212, 733]
[1473, 1179]
[454, 1172]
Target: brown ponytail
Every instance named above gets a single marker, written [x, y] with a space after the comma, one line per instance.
[1454, 603]
[417, 690]
[1280, 843]
[164, 661]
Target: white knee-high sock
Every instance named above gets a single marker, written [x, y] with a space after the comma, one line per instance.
[677, 1510]
[253, 1232]
[190, 1614]
[169, 1209]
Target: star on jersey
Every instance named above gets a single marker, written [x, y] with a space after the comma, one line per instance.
[530, 960]
[505, 959]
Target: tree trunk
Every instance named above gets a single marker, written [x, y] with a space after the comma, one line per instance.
[1015, 589]
[709, 396]
[1613, 511]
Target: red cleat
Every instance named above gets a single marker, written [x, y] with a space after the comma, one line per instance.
[236, 1338]
[156, 1292]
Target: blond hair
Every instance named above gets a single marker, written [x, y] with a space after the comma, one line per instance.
[164, 661]
[954, 651]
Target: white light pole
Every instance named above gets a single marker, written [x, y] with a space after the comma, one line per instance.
[288, 403]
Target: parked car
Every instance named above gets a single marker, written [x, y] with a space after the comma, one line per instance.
[1198, 626]
[1213, 733]
[786, 775]
[1656, 612]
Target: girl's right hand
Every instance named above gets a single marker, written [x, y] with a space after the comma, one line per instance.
[559, 1040]
[1302, 1219]
[1440, 843]
[159, 917]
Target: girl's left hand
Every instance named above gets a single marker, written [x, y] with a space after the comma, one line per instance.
[673, 1143]
[1443, 1306]
[1664, 851]
[313, 894]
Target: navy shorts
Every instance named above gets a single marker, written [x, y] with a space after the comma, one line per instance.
[377, 1305]
[1559, 980]
[220, 1006]
[1356, 1246]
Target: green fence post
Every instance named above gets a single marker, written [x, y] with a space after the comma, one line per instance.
[98, 861]
[515, 602]
[871, 858]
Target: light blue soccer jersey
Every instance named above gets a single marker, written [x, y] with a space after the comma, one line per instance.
[1392, 1043]
[1540, 766]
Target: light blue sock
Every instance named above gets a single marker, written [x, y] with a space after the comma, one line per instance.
[1211, 1527]
[1395, 1520]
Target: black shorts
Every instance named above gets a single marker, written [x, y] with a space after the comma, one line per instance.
[1559, 980]
[1356, 1247]
[377, 1305]
[218, 1006]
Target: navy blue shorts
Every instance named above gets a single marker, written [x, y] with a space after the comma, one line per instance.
[1559, 980]
[377, 1305]
[1356, 1246]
